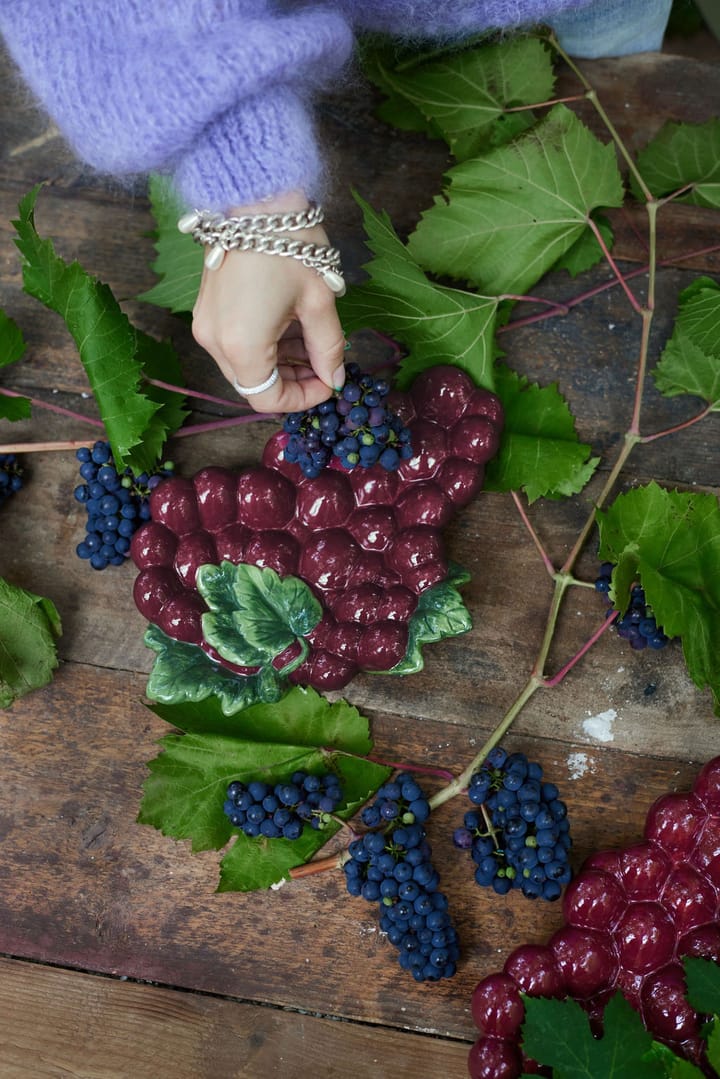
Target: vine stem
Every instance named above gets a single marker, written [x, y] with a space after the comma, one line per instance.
[44, 447]
[614, 266]
[533, 534]
[557, 308]
[320, 865]
[546, 104]
[195, 393]
[678, 426]
[37, 403]
[563, 578]
[597, 290]
[229, 421]
[549, 683]
[442, 773]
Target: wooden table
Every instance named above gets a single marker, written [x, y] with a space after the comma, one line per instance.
[118, 957]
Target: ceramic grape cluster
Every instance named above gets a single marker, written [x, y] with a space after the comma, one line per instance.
[367, 541]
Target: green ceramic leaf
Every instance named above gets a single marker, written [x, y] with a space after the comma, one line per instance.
[254, 613]
[184, 673]
[440, 613]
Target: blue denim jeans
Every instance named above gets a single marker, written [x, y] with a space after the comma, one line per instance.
[613, 27]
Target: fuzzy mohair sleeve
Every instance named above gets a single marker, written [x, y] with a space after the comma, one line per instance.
[452, 19]
[214, 93]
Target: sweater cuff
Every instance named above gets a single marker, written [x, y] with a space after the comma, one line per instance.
[261, 147]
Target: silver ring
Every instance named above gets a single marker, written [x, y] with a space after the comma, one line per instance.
[249, 391]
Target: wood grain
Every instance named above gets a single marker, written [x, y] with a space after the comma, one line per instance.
[82, 885]
[101, 1028]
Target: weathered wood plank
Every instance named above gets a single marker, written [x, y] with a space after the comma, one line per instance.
[82, 885]
[98, 1028]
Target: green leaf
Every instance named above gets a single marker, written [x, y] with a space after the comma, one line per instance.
[184, 673]
[12, 343]
[668, 1065]
[690, 362]
[509, 215]
[107, 343]
[12, 347]
[702, 977]
[586, 251]
[436, 324]
[713, 1050]
[557, 1033]
[254, 863]
[254, 613]
[682, 154]
[184, 795]
[179, 259]
[464, 96]
[29, 625]
[539, 450]
[440, 613]
[302, 715]
[670, 542]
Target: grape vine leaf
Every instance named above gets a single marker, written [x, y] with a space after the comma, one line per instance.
[539, 449]
[136, 423]
[184, 673]
[440, 613]
[510, 214]
[250, 864]
[304, 714]
[683, 154]
[464, 96]
[184, 794]
[435, 323]
[690, 361]
[670, 542]
[557, 1033]
[179, 259]
[29, 627]
[12, 348]
[702, 977]
[254, 613]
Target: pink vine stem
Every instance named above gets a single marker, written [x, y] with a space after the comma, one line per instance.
[533, 534]
[196, 393]
[556, 679]
[441, 773]
[44, 447]
[37, 403]
[230, 421]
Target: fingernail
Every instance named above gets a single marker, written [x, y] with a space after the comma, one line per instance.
[339, 377]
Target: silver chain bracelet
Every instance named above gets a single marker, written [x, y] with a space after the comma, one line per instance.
[265, 233]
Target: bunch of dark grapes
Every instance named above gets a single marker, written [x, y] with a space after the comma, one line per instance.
[520, 835]
[117, 503]
[391, 866]
[638, 624]
[356, 427]
[11, 475]
[282, 810]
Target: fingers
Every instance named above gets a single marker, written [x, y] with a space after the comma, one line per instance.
[322, 334]
[258, 312]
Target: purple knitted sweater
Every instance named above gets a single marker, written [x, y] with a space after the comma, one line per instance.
[215, 93]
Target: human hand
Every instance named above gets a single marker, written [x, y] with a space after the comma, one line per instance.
[258, 311]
